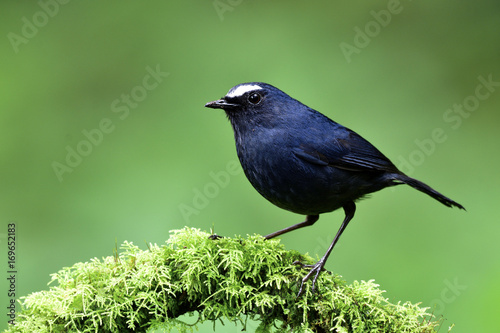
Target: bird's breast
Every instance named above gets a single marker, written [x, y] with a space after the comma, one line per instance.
[287, 181]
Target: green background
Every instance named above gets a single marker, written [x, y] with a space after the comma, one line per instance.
[395, 90]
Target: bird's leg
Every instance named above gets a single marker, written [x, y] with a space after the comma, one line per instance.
[310, 219]
[349, 210]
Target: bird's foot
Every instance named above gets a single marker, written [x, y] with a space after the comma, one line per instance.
[315, 269]
[214, 237]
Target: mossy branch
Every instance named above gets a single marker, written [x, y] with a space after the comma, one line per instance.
[218, 279]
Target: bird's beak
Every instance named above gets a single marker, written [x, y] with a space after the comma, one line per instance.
[220, 104]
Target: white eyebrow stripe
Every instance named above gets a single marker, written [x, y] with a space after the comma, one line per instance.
[241, 90]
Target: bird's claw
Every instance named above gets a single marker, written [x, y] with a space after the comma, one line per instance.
[299, 263]
[315, 269]
[214, 237]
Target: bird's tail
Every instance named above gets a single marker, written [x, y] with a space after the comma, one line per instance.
[416, 184]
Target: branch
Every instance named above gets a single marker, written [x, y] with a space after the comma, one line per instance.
[217, 279]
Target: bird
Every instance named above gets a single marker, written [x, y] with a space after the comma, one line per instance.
[302, 161]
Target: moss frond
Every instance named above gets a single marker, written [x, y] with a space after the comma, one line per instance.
[229, 279]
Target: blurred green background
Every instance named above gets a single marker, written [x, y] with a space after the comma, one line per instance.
[389, 70]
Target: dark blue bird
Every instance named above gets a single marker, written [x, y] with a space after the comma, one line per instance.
[304, 162]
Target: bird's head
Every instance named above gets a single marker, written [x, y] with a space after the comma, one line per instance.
[256, 103]
[244, 97]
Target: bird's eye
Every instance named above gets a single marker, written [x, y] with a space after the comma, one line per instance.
[254, 98]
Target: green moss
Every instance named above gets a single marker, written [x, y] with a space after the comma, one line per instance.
[217, 279]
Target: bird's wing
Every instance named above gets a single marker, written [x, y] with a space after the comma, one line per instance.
[349, 152]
